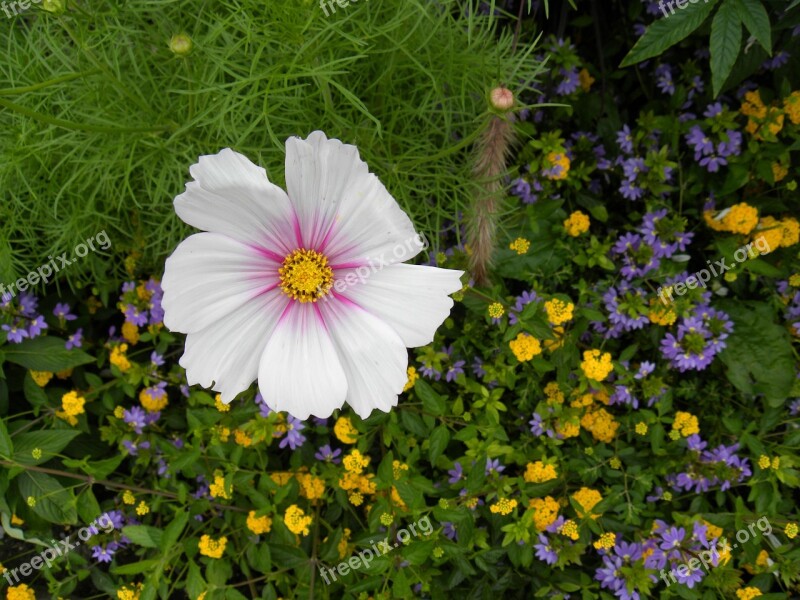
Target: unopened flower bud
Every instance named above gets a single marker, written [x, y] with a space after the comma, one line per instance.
[502, 98]
[180, 44]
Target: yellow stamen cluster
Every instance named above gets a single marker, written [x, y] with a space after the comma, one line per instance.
[305, 275]
[344, 430]
[520, 245]
[596, 365]
[569, 529]
[20, 592]
[685, 423]
[503, 506]
[142, 509]
[258, 525]
[355, 462]
[128, 497]
[311, 486]
[241, 438]
[577, 223]
[791, 531]
[525, 347]
[129, 593]
[130, 332]
[553, 393]
[539, 472]
[212, 548]
[398, 468]
[545, 511]
[296, 520]
[220, 405]
[641, 428]
[588, 499]
[343, 543]
[558, 311]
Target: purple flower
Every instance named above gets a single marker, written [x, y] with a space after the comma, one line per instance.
[712, 110]
[672, 538]
[477, 367]
[570, 82]
[625, 139]
[136, 418]
[326, 454]
[15, 332]
[156, 359]
[62, 312]
[449, 530]
[494, 466]
[135, 316]
[28, 304]
[101, 554]
[544, 551]
[429, 372]
[777, 61]
[293, 438]
[699, 141]
[453, 372]
[36, 326]
[75, 340]
[456, 473]
[664, 79]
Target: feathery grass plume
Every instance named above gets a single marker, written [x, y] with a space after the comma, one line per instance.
[106, 106]
[491, 153]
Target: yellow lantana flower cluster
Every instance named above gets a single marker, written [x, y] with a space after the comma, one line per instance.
[212, 548]
[296, 520]
[546, 511]
[71, 406]
[153, 399]
[739, 218]
[601, 424]
[496, 310]
[218, 489]
[520, 245]
[747, 593]
[553, 393]
[344, 430]
[685, 423]
[577, 223]
[412, 379]
[41, 378]
[607, 541]
[118, 358]
[588, 499]
[570, 529]
[20, 592]
[503, 506]
[525, 347]
[558, 311]
[764, 121]
[311, 486]
[557, 166]
[596, 365]
[129, 593]
[539, 472]
[258, 525]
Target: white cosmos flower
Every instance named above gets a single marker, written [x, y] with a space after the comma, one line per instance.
[305, 291]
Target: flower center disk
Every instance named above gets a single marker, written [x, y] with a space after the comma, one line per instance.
[305, 275]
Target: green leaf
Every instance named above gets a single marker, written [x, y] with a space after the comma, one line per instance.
[432, 401]
[52, 502]
[754, 337]
[668, 31]
[726, 41]
[173, 531]
[46, 354]
[143, 566]
[439, 440]
[50, 442]
[144, 535]
[6, 447]
[754, 16]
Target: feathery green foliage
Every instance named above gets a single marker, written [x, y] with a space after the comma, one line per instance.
[102, 120]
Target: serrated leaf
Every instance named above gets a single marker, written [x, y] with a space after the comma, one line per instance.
[46, 354]
[754, 16]
[725, 43]
[667, 32]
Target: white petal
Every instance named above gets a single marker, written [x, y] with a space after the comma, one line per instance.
[227, 353]
[300, 372]
[208, 277]
[412, 299]
[372, 354]
[343, 209]
[231, 195]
